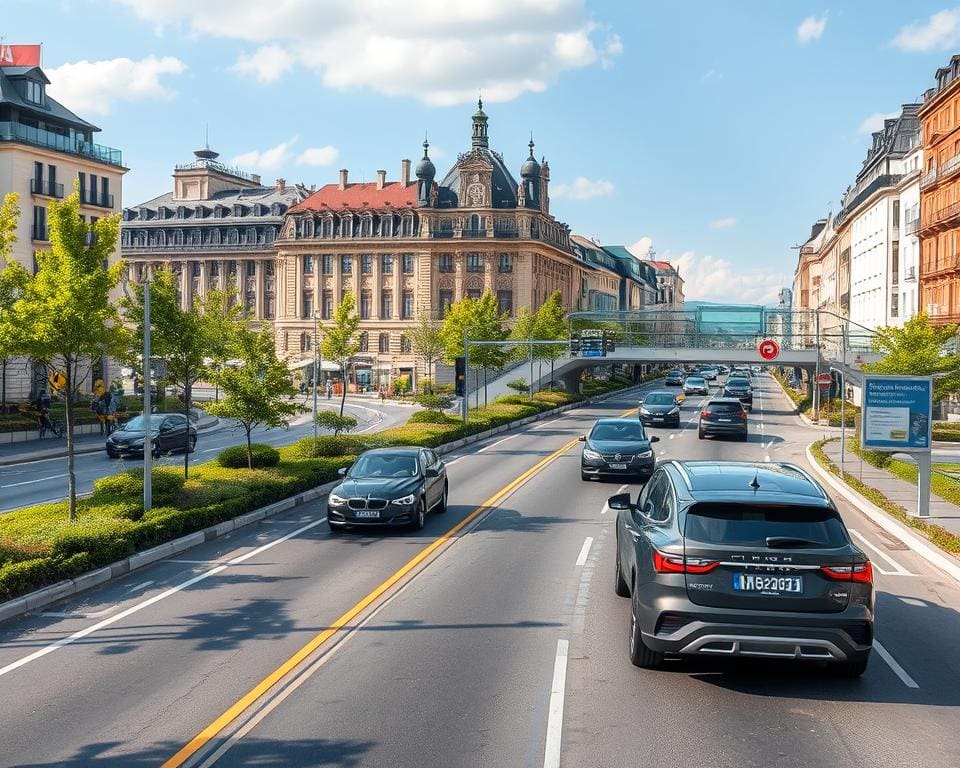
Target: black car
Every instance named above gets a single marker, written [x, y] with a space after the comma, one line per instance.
[660, 409]
[740, 388]
[389, 486]
[616, 447]
[723, 416]
[675, 378]
[741, 559]
[170, 432]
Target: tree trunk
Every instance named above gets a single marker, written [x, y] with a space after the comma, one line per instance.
[484, 387]
[553, 360]
[249, 449]
[68, 417]
[343, 390]
[187, 391]
[3, 388]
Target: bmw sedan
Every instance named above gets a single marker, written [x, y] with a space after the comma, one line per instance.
[660, 409]
[727, 558]
[616, 447]
[170, 432]
[389, 486]
[696, 385]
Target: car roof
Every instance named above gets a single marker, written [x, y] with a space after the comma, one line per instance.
[399, 450]
[616, 420]
[659, 392]
[730, 400]
[774, 482]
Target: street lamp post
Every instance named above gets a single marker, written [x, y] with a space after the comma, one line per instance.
[317, 364]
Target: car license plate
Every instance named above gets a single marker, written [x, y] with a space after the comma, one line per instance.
[726, 420]
[763, 584]
[618, 466]
[367, 513]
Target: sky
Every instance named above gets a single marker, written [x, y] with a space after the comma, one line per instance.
[715, 133]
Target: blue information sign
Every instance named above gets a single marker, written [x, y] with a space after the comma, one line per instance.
[897, 413]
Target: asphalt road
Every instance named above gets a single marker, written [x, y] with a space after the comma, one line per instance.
[37, 481]
[504, 645]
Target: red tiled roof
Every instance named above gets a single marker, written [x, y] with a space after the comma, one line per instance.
[360, 196]
[660, 264]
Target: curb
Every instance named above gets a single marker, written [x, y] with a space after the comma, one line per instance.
[918, 544]
[42, 597]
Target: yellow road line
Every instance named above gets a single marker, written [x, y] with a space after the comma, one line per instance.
[247, 700]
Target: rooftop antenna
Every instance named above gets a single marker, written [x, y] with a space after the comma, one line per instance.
[206, 135]
[755, 483]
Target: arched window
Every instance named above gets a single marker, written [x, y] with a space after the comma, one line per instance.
[181, 212]
[475, 224]
[405, 346]
[305, 342]
[407, 228]
[276, 209]
[308, 227]
[233, 236]
[125, 237]
[269, 233]
[238, 210]
[178, 237]
[386, 225]
[251, 235]
[328, 226]
[366, 226]
[195, 238]
[215, 236]
[384, 342]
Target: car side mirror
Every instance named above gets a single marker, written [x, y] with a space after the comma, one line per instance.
[582, 438]
[620, 501]
[342, 472]
[431, 472]
[654, 439]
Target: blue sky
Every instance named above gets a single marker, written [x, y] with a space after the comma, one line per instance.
[716, 131]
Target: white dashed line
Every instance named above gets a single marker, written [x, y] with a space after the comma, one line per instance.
[551, 755]
[494, 445]
[584, 551]
[892, 663]
[898, 570]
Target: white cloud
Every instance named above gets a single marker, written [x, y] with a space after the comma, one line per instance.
[267, 64]
[710, 75]
[319, 156]
[95, 86]
[811, 28]
[641, 249]
[268, 159]
[712, 279]
[940, 32]
[875, 122]
[727, 222]
[582, 188]
[433, 50]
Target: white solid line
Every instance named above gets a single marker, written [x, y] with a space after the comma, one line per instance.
[892, 663]
[898, 570]
[913, 601]
[494, 445]
[70, 639]
[454, 461]
[584, 551]
[624, 487]
[196, 562]
[138, 587]
[31, 482]
[78, 614]
[551, 755]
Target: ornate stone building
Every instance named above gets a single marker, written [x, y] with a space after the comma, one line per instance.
[416, 245]
[217, 227]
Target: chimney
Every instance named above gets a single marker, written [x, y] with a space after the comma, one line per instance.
[381, 179]
[281, 186]
[343, 179]
[404, 172]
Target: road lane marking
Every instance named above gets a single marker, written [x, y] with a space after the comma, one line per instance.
[199, 741]
[624, 487]
[913, 601]
[584, 551]
[31, 482]
[494, 445]
[78, 614]
[138, 587]
[898, 570]
[892, 663]
[70, 639]
[551, 755]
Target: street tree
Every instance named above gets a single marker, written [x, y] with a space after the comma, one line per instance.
[920, 348]
[67, 316]
[258, 391]
[426, 341]
[13, 278]
[224, 316]
[551, 325]
[478, 320]
[341, 340]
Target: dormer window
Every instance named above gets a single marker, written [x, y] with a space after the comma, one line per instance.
[238, 210]
[34, 92]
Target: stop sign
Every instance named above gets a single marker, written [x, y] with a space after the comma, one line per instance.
[769, 349]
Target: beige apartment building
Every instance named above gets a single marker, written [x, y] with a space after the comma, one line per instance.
[44, 150]
[415, 245]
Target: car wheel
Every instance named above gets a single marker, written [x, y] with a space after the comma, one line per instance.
[619, 585]
[192, 445]
[419, 515]
[157, 453]
[442, 506]
[640, 655]
[700, 434]
[745, 437]
[854, 666]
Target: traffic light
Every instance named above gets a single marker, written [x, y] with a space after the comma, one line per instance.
[460, 370]
[609, 342]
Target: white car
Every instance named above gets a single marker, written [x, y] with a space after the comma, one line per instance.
[696, 385]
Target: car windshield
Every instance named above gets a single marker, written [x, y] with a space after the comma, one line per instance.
[660, 398]
[136, 423]
[695, 380]
[618, 430]
[384, 465]
[736, 381]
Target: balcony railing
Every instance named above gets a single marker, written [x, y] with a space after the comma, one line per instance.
[46, 188]
[911, 275]
[911, 226]
[196, 246]
[950, 166]
[39, 233]
[474, 233]
[100, 200]
[928, 178]
[944, 214]
[76, 145]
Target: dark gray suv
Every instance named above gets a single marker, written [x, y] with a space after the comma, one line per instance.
[727, 558]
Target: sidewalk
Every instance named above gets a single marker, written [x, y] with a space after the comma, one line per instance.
[53, 447]
[942, 512]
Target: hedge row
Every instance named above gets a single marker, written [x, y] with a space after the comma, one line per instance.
[943, 486]
[800, 399]
[940, 536]
[948, 431]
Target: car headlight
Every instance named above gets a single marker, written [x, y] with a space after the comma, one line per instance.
[405, 501]
[137, 442]
[675, 411]
[644, 411]
[644, 454]
[592, 455]
[334, 499]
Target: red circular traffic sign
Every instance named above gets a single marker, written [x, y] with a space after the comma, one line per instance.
[769, 349]
[824, 378]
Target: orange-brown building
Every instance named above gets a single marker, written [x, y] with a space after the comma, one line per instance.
[940, 197]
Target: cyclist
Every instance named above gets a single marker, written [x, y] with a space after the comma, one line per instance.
[43, 414]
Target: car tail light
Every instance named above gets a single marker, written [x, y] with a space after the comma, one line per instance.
[664, 562]
[704, 414]
[743, 415]
[862, 572]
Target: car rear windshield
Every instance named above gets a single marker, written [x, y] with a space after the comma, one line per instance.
[749, 525]
[725, 407]
[664, 398]
[736, 381]
[621, 430]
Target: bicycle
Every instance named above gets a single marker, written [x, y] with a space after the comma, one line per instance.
[46, 423]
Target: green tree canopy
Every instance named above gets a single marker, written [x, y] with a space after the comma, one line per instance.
[341, 340]
[426, 341]
[479, 320]
[13, 278]
[67, 315]
[920, 348]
